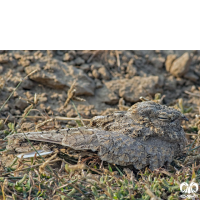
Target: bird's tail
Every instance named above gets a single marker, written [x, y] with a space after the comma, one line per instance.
[76, 138]
[82, 139]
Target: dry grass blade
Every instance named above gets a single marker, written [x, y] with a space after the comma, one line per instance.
[43, 123]
[78, 113]
[56, 118]
[72, 95]
[118, 59]
[42, 167]
[192, 94]
[94, 53]
[151, 194]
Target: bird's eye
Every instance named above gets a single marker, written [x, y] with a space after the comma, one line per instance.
[163, 117]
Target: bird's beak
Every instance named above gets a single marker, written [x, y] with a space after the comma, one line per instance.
[185, 118]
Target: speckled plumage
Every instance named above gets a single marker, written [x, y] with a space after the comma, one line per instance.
[148, 134]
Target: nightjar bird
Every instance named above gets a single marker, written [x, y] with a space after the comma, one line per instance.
[148, 134]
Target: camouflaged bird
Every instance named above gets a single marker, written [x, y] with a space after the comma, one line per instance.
[148, 134]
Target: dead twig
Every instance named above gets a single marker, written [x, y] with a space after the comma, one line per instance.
[42, 167]
[43, 123]
[150, 193]
[192, 94]
[72, 96]
[92, 56]
[118, 59]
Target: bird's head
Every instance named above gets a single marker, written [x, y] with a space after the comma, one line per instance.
[156, 114]
[163, 120]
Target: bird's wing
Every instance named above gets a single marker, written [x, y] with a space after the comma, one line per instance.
[112, 147]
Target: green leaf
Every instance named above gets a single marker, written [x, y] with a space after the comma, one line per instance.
[110, 168]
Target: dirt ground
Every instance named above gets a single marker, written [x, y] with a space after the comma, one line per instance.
[104, 79]
[34, 87]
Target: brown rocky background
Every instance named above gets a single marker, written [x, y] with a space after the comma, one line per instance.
[105, 79]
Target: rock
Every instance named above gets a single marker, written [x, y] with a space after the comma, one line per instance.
[5, 108]
[157, 51]
[170, 59]
[95, 73]
[106, 95]
[24, 62]
[43, 98]
[72, 53]
[90, 75]
[13, 63]
[109, 93]
[170, 83]
[50, 53]
[85, 67]
[42, 106]
[138, 52]
[193, 88]
[98, 83]
[21, 104]
[1, 69]
[191, 76]
[136, 87]
[181, 65]
[4, 58]
[139, 62]
[180, 81]
[85, 56]
[111, 61]
[26, 126]
[56, 74]
[128, 54]
[130, 90]
[195, 60]
[20, 69]
[84, 110]
[124, 58]
[71, 113]
[8, 61]
[59, 52]
[131, 70]
[188, 83]
[67, 57]
[17, 112]
[27, 84]
[181, 52]
[115, 85]
[158, 62]
[16, 79]
[37, 55]
[123, 67]
[96, 66]
[72, 123]
[104, 73]
[71, 62]
[79, 61]
[17, 55]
